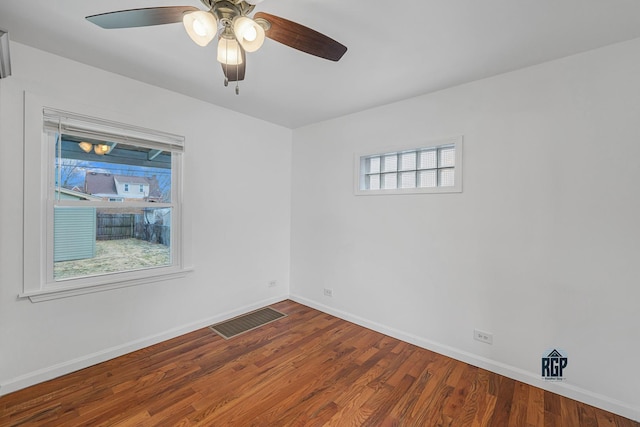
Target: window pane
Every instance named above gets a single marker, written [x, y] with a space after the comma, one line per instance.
[100, 171]
[427, 179]
[374, 182]
[90, 241]
[389, 181]
[427, 159]
[390, 163]
[446, 177]
[408, 161]
[447, 157]
[374, 165]
[408, 179]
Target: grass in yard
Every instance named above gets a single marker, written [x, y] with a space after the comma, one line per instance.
[114, 256]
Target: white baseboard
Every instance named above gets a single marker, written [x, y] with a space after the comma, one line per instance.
[60, 369]
[561, 388]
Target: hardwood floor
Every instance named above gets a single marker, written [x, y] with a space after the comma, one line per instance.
[307, 369]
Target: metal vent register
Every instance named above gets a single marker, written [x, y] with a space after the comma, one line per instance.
[246, 322]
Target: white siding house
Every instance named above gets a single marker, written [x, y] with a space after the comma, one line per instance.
[132, 187]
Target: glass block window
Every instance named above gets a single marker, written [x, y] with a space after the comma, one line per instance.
[428, 169]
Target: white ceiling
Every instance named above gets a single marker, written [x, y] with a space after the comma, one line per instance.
[396, 49]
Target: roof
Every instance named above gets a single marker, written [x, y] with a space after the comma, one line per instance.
[105, 183]
[75, 192]
[99, 183]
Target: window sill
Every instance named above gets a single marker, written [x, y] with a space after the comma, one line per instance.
[425, 190]
[69, 291]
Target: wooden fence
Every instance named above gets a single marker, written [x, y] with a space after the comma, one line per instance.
[111, 226]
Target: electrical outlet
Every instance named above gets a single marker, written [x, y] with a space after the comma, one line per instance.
[328, 292]
[273, 283]
[482, 336]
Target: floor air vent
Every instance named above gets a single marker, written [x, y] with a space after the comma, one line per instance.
[246, 322]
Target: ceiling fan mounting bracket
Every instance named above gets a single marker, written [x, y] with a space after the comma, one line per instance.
[228, 9]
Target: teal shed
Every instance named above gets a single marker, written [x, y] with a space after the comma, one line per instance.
[74, 231]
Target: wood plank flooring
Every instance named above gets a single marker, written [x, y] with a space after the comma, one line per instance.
[307, 369]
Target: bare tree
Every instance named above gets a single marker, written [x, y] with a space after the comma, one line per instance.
[71, 171]
[164, 184]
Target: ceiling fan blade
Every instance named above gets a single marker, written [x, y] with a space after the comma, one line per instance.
[235, 73]
[302, 38]
[141, 17]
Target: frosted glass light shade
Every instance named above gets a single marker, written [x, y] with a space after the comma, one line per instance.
[229, 52]
[201, 26]
[249, 33]
[86, 146]
[101, 149]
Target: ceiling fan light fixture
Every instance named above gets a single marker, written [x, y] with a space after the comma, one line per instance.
[101, 149]
[201, 26]
[86, 146]
[249, 33]
[229, 51]
[238, 32]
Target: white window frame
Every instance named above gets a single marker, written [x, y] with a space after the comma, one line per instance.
[39, 154]
[360, 160]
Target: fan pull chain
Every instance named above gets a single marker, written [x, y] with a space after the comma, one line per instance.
[226, 63]
[237, 69]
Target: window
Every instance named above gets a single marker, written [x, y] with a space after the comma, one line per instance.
[436, 168]
[94, 233]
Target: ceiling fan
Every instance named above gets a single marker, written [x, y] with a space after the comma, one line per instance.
[237, 32]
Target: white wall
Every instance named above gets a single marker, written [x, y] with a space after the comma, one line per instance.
[541, 248]
[237, 235]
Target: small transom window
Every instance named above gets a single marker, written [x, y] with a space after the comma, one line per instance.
[435, 168]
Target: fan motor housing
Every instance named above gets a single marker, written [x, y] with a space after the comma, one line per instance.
[228, 9]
